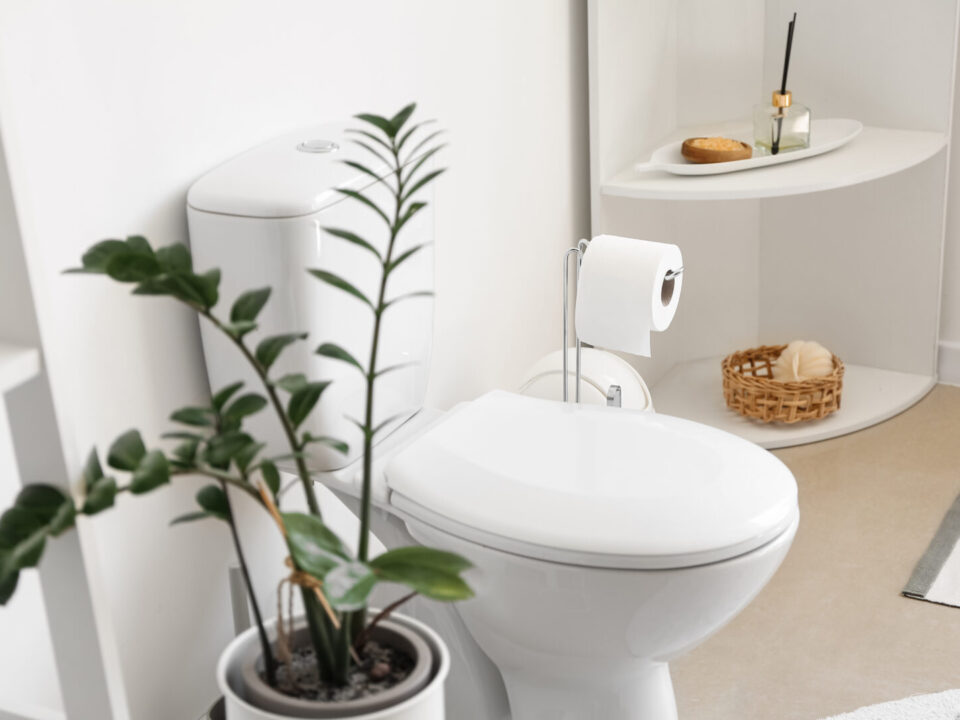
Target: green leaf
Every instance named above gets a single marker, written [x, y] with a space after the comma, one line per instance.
[292, 382]
[316, 549]
[400, 119]
[221, 396]
[353, 238]
[24, 536]
[338, 282]
[348, 586]
[186, 452]
[381, 123]
[421, 161]
[209, 284]
[419, 146]
[244, 457]
[360, 167]
[270, 348]
[245, 405]
[132, 266]
[338, 445]
[433, 573]
[100, 495]
[175, 258]
[152, 472]
[406, 255]
[127, 451]
[411, 130]
[271, 476]
[336, 352]
[249, 305]
[361, 198]
[429, 177]
[394, 368]
[92, 470]
[373, 151]
[408, 296]
[412, 210]
[221, 449]
[39, 512]
[96, 258]
[139, 244]
[193, 416]
[50, 505]
[189, 517]
[213, 500]
[240, 328]
[8, 584]
[182, 436]
[198, 290]
[303, 401]
[376, 138]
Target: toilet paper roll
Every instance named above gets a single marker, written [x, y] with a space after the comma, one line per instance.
[623, 293]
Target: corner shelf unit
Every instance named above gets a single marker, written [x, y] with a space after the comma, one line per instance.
[844, 248]
[875, 153]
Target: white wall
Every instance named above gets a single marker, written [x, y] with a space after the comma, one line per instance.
[949, 360]
[110, 109]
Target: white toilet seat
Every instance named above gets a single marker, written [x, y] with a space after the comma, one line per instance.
[584, 485]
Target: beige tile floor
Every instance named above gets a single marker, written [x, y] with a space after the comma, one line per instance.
[831, 632]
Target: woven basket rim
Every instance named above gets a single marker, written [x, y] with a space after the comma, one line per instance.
[727, 366]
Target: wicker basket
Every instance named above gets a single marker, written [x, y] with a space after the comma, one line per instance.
[749, 388]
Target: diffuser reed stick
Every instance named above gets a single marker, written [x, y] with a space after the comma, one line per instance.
[775, 148]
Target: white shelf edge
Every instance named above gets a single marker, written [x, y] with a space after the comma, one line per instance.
[693, 390]
[18, 364]
[876, 153]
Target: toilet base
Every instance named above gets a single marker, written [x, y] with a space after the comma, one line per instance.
[646, 693]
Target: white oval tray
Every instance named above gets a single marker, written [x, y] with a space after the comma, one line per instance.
[825, 135]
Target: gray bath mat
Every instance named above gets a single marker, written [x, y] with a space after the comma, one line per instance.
[936, 578]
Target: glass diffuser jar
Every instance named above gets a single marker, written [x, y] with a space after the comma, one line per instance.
[781, 126]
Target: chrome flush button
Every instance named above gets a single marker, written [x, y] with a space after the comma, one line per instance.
[318, 146]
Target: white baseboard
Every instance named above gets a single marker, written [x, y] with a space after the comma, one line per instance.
[948, 362]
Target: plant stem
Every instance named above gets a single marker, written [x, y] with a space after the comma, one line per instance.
[382, 615]
[295, 447]
[269, 661]
[365, 498]
[218, 475]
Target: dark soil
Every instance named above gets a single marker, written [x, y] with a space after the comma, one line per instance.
[381, 668]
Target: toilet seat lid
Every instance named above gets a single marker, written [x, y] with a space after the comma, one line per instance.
[592, 485]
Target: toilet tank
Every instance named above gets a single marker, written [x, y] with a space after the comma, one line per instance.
[259, 218]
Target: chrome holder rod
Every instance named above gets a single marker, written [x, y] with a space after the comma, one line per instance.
[578, 253]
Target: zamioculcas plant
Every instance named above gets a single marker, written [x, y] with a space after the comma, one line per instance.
[212, 443]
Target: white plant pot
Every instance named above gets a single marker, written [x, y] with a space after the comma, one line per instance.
[428, 704]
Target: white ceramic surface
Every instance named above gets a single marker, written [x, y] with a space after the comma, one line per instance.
[825, 135]
[666, 492]
[426, 705]
[577, 642]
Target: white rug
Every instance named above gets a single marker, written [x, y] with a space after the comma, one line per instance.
[938, 706]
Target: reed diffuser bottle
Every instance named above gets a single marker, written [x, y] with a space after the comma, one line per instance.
[783, 125]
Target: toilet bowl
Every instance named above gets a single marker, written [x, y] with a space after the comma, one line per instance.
[605, 541]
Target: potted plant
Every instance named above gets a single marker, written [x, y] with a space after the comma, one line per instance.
[338, 659]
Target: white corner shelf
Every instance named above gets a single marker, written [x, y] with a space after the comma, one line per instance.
[875, 153]
[693, 390]
[17, 365]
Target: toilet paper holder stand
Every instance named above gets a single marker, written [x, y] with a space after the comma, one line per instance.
[578, 252]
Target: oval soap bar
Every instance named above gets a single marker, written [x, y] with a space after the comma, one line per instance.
[803, 359]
